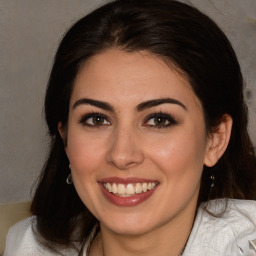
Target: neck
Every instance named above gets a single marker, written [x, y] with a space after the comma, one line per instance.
[145, 245]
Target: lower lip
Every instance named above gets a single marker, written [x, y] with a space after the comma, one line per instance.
[126, 201]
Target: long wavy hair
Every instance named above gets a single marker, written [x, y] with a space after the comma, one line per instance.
[178, 34]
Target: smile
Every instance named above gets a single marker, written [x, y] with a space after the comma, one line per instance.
[130, 189]
[127, 192]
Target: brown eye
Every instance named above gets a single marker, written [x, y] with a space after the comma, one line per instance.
[159, 121]
[94, 119]
[97, 120]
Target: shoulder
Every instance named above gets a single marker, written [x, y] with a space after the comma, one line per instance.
[21, 241]
[224, 227]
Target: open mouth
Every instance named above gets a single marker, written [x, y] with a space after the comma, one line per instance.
[130, 189]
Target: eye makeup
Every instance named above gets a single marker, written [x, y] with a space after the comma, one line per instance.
[159, 120]
[94, 119]
[156, 120]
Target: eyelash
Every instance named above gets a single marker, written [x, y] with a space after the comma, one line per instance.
[160, 116]
[165, 117]
[84, 119]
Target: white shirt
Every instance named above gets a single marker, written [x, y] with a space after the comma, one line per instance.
[231, 234]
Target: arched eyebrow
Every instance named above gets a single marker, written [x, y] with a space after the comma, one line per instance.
[142, 106]
[156, 102]
[99, 104]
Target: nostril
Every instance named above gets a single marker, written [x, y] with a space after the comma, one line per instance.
[123, 163]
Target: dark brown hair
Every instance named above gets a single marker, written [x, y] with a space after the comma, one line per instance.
[175, 32]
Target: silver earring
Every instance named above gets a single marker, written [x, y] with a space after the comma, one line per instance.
[69, 179]
[212, 179]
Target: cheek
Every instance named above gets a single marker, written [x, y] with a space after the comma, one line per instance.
[85, 156]
[84, 153]
[180, 155]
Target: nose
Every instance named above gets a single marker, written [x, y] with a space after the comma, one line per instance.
[125, 150]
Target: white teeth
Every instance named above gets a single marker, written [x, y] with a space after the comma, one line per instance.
[129, 189]
[144, 187]
[121, 189]
[114, 188]
[138, 188]
[108, 187]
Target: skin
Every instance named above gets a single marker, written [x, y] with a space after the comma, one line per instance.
[127, 144]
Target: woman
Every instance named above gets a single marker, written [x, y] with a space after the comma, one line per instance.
[148, 123]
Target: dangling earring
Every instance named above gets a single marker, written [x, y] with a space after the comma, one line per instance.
[69, 178]
[212, 179]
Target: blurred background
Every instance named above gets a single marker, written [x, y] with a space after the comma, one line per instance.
[30, 31]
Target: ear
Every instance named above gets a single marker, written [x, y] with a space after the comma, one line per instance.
[218, 141]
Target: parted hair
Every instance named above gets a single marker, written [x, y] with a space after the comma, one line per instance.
[180, 35]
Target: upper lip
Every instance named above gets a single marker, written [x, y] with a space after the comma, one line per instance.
[126, 180]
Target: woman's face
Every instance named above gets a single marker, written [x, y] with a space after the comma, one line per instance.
[136, 142]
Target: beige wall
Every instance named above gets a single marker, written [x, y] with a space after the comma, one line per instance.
[29, 33]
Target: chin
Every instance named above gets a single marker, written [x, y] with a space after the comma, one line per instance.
[132, 225]
[128, 230]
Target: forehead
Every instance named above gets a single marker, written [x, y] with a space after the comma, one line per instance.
[127, 76]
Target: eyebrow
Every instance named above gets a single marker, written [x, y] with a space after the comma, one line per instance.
[142, 106]
[96, 103]
[157, 102]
